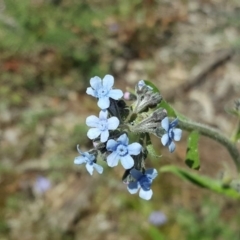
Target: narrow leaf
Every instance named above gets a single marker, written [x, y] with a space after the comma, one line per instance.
[202, 181]
[164, 104]
[192, 156]
[168, 107]
[150, 84]
[150, 147]
[152, 152]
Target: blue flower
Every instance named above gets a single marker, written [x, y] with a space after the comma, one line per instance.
[122, 151]
[101, 126]
[141, 84]
[171, 134]
[142, 182]
[89, 160]
[157, 218]
[102, 89]
[41, 185]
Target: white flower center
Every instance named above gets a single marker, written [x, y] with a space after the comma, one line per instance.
[102, 92]
[103, 125]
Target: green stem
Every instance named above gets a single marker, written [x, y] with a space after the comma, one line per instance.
[213, 134]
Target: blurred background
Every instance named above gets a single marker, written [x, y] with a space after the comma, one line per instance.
[49, 49]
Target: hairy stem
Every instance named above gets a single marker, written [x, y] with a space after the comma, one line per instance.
[213, 134]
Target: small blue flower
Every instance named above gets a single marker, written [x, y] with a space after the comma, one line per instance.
[157, 218]
[122, 151]
[102, 89]
[41, 185]
[141, 84]
[101, 126]
[88, 159]
[142, 182]
[171, 134]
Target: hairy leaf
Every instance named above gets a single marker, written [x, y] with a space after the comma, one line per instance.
[192, 156]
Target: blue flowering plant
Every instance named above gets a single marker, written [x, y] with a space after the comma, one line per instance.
[137, 115]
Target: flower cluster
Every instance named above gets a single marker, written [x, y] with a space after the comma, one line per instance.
[111, 130]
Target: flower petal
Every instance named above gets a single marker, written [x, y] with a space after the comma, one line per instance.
[152, 173]
[177, 134]
[136, 174]
[112, 159]
[108, 82]
[140, 84]
[95, 82]
[92, 121]
[89, 168]
[115, 94]
[133, 187]
[123, 139]
[98, 168]
[165, 124]
[111, 145]
[104, 136]
[103, 114]
[165, 139]
[171, 147]
[79, 160]
[174, 123]
[93, 133]
[113, 123]
[89, 156]
[91, 92]
[145, 194]
[127, 161]
[134, 148]
[103, 102]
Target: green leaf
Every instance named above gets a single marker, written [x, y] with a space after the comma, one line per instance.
[171, 112]
[152, 152]
[202, 181]
[192, 157]
[150, 147]
[150, 84]
[164, 104]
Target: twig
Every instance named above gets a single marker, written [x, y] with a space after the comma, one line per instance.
[200, 72]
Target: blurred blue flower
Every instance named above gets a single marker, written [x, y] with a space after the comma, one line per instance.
[101, 126]
[122, 151]
[171, 134]
[88, 159]
[141, 84]
[157, 218]
[102, 89]
[41, 185]
[142, 182]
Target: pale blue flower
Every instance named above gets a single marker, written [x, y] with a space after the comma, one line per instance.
[89, 160]
[101, 126]
[157, 218]
[41, 185]
[142, 182]
[171, 134]
[122, 151]
[102, 89]
[141, 84]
